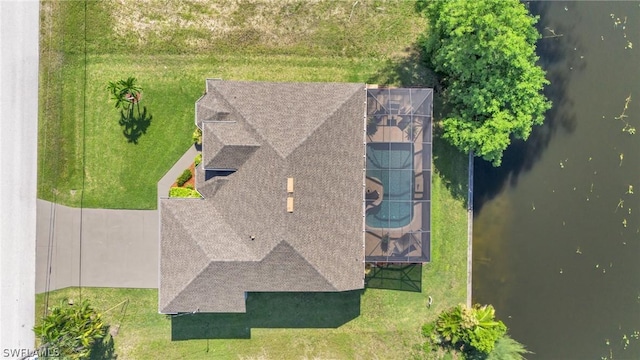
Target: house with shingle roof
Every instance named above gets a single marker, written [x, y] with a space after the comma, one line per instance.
[283, 185]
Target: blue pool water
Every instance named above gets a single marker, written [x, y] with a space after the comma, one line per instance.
[392, 164]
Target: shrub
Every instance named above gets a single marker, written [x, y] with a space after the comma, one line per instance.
[198, 159]
[184, 177]
[197, 136]
[178, 192]
[72, 330]
[428, 329]
[473, 329]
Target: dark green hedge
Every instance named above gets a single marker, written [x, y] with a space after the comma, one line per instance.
[184, 177]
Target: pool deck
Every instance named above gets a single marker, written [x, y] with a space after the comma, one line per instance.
[406, 241]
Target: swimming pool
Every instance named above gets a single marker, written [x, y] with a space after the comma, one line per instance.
[392, 164]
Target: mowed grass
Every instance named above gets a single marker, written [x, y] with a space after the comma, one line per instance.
[171, 48]
[374, 324]
[81, 144]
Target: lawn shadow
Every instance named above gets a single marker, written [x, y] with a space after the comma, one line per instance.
[451, 164]
[270, 310]
[406, 277]
[409, 70]
[104, 349]
[134, 124]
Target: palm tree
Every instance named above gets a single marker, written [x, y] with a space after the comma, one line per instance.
[126, 93]
[508, 349]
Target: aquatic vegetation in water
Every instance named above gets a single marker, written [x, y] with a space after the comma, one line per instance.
[620, 205]
[563, 162]
[621, 158]
[622, 24]
[622, 117]
[624, 222]
[552, 32]
[630, 190]
[578, 250]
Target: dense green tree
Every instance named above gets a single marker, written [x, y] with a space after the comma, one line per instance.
[72, 330]
[484, 54]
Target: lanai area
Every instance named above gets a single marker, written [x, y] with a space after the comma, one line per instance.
[398, 175]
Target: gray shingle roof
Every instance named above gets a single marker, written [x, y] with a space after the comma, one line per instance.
[312, 132]
[227, 145]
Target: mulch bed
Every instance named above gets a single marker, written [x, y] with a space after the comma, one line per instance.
[191, 181]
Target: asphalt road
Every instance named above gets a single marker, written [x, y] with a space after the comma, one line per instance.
[19, 31]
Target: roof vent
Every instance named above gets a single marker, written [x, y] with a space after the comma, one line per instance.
[290, 194]
[290, 185]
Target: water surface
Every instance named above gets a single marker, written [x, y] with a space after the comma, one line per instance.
[557, 227]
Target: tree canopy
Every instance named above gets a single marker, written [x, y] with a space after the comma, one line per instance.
[484, 53]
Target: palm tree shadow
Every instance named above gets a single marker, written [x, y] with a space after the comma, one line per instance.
[134, 125]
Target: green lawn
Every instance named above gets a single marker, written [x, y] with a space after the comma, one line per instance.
[377, 323]
[325, 41]
[271, 41]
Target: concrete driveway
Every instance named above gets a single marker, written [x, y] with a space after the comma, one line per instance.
[119, 248]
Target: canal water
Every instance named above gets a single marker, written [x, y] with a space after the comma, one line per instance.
[557, 227]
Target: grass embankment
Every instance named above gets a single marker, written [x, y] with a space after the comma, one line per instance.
[171, 57]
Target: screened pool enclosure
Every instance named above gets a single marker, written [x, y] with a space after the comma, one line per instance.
[398, 175]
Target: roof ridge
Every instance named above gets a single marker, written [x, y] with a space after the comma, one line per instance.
[329, 116]
[245, 122]
[190, 237]
[306, 261]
